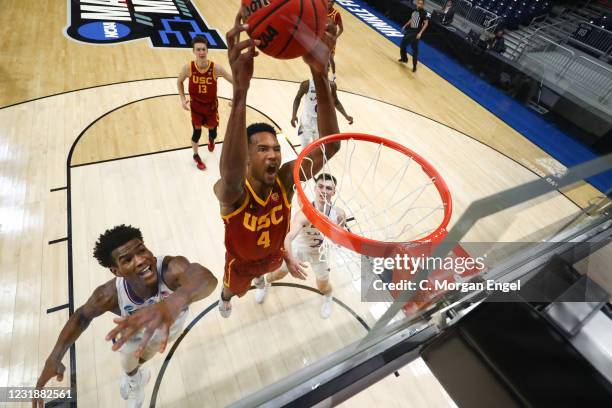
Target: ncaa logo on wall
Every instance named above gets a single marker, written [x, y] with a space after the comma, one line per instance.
[167, 23]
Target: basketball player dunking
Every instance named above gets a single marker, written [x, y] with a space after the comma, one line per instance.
[255, 191]
[336, 19]
[148, 292]
[309, 130]
[202, 102]
[310, 240]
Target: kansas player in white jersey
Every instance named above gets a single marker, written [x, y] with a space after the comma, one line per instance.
[308, 130]
[151, 294]
[307, 246]
[130, 303]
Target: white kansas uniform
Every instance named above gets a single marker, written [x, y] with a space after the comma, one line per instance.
[308, 245]
[309, 130]
[129, 303]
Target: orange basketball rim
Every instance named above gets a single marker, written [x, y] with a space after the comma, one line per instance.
[358, 243]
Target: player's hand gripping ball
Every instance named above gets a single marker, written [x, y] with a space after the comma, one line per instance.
[286, 28]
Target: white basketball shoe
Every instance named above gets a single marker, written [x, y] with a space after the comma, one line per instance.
[132, 387]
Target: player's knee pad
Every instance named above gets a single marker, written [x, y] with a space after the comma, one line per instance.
[197, 133]
[212, 133]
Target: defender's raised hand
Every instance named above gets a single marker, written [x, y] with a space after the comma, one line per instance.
[53, 368]
[150, 318]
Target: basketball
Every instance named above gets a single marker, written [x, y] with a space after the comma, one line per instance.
[286, 28]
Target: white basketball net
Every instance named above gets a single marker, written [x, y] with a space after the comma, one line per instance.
[385, 194]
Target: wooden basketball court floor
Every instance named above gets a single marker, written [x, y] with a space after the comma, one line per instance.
[92, 136]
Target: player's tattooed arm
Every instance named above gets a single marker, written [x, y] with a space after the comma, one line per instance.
[302, 90]
[103, 299]
[233, 162]
[189, 281]
[180, 81]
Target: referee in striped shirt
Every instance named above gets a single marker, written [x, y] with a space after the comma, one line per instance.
[413, 30]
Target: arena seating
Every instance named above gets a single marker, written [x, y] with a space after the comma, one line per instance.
[515, 12]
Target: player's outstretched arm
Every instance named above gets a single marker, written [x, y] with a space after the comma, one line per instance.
[189, 281]
[296, 101]
[295, 267]
[222, 72]
[327, 120]
[233, 163]
[103, 299]
[318, 61]
[180, 81]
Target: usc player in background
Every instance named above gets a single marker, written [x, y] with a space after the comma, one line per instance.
[203, 104]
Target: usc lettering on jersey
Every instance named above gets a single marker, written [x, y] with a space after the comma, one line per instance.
[254, 237]
[256, 231]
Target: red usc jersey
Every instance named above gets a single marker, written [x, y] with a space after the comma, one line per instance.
[203, 83]
[335, 16]
[255, 232]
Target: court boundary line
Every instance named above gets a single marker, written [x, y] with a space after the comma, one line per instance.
[156, 151]
[139, 155]
[84, 89]
[351, 93]
[371, 98]
[202, 314]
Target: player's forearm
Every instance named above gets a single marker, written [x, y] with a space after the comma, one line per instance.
[291, 235]
[181, 92]
[198, 283]
[287, 254]
[340, 108]
[234, 153]
[294, 230]
[296, 106]
[180, 86]
[326, 111]
[73, 328]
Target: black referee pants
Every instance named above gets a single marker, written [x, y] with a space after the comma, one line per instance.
[410, 37]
